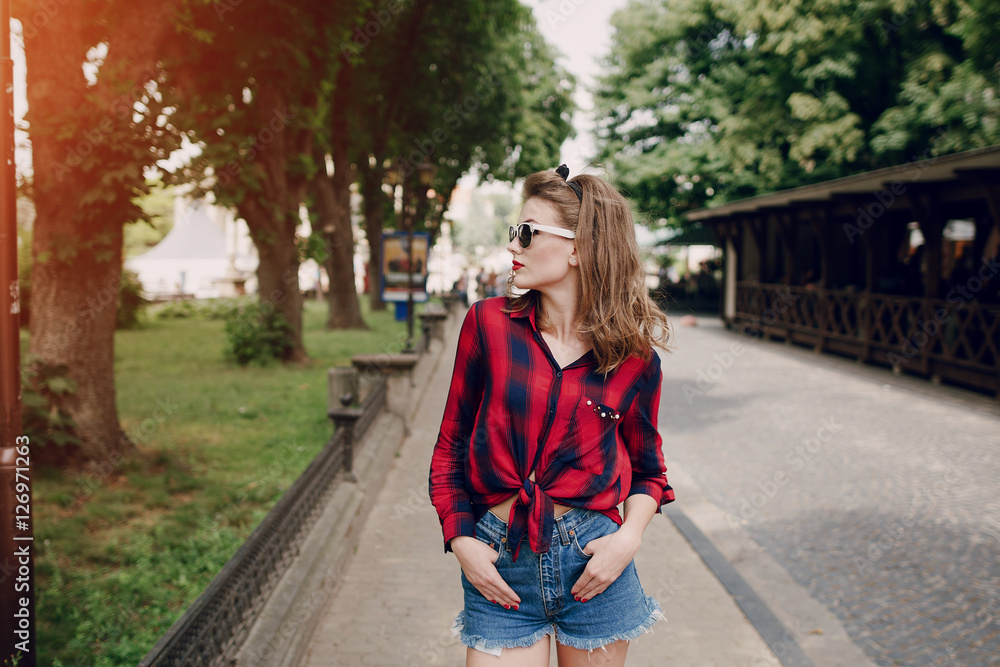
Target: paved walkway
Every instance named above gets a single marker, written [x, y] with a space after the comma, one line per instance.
[876, 493]
[401, 592]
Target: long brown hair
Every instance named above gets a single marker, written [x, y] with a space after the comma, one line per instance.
[614, 309]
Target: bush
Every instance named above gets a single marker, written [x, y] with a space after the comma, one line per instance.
[51, 431]
[225, 308]
[212, 309]
[131, 302]
[256, 333]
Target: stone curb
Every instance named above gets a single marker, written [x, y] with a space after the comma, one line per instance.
[284, 626]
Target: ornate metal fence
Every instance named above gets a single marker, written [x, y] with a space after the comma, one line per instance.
[214, 627]
[953, 340]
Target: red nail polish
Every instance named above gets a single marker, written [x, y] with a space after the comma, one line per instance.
[493, 601]
[515, 607]
[583, 599]
[506, 606]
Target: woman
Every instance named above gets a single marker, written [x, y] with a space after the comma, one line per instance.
[550, 423]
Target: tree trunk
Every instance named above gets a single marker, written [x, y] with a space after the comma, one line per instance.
[371, 190]
[342, 297]
[278, 267]
[73, 307]
[333, 195]
[271, 211]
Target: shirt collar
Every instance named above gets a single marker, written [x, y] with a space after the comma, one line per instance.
[529, 312]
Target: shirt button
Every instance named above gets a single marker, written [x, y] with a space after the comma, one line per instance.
[558, 374]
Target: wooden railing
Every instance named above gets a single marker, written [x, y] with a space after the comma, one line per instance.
[947, 339]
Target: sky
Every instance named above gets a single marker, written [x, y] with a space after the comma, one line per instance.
[581, 31]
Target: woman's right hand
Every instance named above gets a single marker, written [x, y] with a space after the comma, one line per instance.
[477, 560]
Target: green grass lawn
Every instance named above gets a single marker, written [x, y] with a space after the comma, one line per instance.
[121, 555]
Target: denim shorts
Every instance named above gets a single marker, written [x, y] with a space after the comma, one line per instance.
[544, 583]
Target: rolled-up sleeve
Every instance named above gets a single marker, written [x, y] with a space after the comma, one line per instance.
[447, 481]
[642, 439]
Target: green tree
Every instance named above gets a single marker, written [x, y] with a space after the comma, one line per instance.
[487, 221]
[706, 100]
[249, 84]
[465, 85]
[96, 122]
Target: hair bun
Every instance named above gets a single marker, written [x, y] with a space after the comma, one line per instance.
[563, 171]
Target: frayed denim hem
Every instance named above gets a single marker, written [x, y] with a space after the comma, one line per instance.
[494, 646]
[655, 614]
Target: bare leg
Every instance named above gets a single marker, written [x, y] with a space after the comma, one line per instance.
[575, 657]
[536, 655]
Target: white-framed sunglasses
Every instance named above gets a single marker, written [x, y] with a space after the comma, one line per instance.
[526, 230]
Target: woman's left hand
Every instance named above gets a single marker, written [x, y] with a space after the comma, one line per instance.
[611, 554]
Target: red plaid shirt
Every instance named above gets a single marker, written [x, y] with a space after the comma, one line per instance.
[511, 409]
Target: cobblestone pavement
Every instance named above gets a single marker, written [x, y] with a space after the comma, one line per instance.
[876, 492]
[400, 593]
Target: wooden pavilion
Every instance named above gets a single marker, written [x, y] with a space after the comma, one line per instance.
[898, 267]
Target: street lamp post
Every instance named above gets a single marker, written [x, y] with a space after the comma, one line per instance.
[425, 178]
[410, 206]
[408, 221]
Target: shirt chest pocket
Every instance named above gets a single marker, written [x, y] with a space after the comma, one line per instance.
[604, 412]
[591, 439]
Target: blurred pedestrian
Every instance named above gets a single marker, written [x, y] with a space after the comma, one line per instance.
[550, 423]
[481, 284]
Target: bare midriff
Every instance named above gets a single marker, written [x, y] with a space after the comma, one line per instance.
[502, 510]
